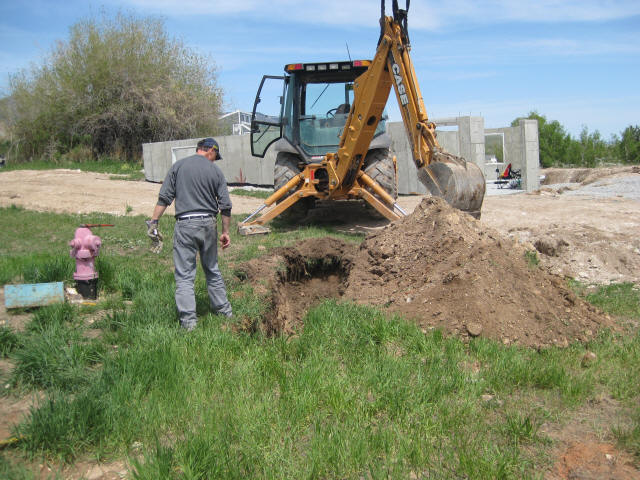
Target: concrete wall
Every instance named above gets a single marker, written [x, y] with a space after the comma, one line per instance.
[408, 182]
[466, 140]
[237, 164]
[521, 150]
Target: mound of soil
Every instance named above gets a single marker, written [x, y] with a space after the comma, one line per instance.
[439, 267]
[583, 176]
[444, 269]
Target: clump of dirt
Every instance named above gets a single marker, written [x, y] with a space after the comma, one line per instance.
[442, 269]
[550, 246]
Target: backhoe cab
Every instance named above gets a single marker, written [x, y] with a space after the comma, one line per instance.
[314, 101]
[330, 141]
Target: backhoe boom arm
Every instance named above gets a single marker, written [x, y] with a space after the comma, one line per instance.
[461, 183]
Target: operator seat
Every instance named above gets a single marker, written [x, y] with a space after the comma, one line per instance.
[343, 108]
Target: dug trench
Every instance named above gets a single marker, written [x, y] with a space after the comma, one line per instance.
[437, 267]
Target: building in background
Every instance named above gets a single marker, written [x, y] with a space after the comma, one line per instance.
[239, 121]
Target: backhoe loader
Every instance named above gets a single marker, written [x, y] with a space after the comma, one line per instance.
[324, 102]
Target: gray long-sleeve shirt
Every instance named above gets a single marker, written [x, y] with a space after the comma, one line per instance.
[197, 185]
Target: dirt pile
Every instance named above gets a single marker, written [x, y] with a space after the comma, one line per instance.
[444, 269]
[583, 176]
[438, 267]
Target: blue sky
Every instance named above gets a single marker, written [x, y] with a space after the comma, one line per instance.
[577, 62]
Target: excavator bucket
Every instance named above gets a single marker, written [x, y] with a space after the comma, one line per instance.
[459, 182]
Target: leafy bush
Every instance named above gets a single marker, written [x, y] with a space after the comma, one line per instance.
[114, 84]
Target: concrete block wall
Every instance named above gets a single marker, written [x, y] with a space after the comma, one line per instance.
[237, 164]
[471, 139]
[521, 149]
[467, 140]
[531, 160]
[408, 182]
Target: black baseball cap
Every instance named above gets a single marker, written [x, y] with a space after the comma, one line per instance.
[209, 142]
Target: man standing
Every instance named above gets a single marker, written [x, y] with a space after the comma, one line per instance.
[200, 192]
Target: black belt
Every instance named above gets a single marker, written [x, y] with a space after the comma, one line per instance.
[194, 217]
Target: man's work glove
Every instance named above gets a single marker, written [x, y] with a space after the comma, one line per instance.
[154, 235]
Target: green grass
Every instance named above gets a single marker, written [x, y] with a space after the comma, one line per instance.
[628, 435]
[531, 256]
[53, 354]
[619, 299]
[251, 193]
[356, 394]
[9, 471]
[8, 341]
[120, 170]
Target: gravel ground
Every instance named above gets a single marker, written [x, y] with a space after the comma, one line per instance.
[625, 187]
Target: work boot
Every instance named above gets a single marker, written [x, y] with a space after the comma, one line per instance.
[188, 327]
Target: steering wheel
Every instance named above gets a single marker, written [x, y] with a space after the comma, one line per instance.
[332, 112]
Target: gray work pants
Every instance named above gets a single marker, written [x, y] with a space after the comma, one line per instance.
[190, 237]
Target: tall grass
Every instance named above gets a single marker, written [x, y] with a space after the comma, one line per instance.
[9, 471]
[8, 341]
[618, 299]
[355, 394]
[53, 354]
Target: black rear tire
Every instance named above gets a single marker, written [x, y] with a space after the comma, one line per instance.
[287, 167]
[379, 166]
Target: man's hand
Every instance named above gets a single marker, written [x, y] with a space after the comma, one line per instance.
[154, 235]
[225, 240]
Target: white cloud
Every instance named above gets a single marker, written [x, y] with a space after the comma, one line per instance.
[566, 46]
[422, 15]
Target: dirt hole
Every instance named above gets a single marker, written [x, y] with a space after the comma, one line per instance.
[305, 281]
[298, 278]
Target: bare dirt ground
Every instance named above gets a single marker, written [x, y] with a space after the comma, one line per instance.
[583, 448]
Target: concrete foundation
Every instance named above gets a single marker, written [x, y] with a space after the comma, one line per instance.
[462, 136]
[521, 150]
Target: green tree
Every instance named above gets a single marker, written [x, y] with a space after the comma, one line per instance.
[592, 149]
[493, 146]
[554, 141]
[627, 147]
[115, 83]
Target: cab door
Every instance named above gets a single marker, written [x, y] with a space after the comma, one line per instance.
[266, 117]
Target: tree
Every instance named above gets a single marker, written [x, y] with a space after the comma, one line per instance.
[493, 146]
[592, 149]
[116, 83]
[628, 146]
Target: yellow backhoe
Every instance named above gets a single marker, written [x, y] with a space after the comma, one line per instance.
[309, 168]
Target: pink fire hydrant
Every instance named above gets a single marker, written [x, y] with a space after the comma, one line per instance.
[85, 247]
